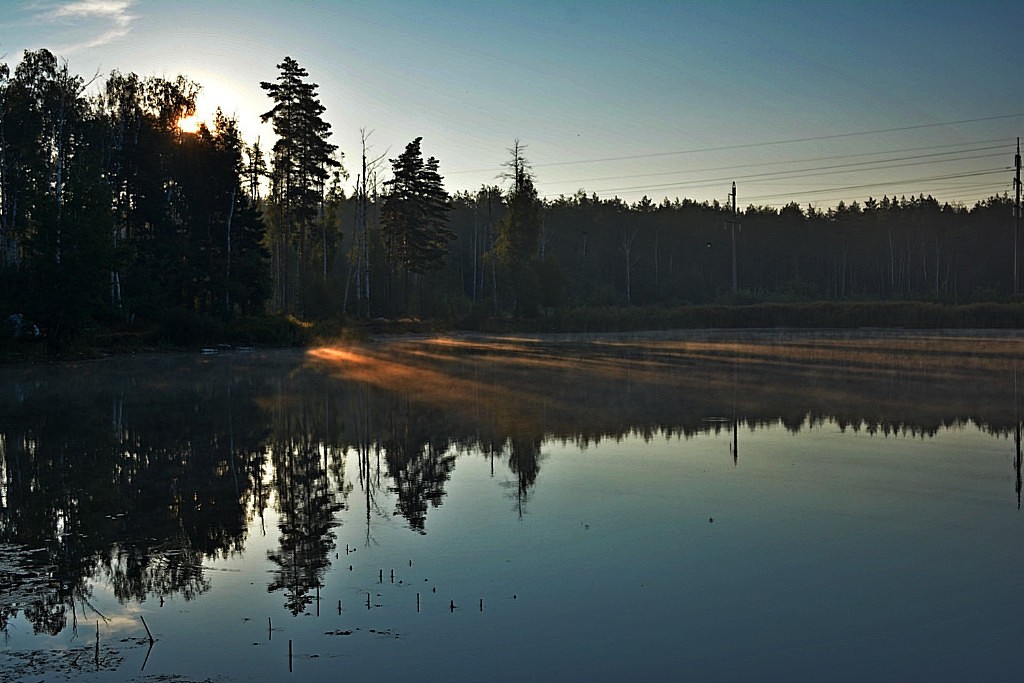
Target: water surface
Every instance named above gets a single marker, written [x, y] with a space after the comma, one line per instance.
[709, 506]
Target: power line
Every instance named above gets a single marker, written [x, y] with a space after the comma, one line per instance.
[747, 145]
[846, 188]
[969, 147]
[955, 176]
[858, 167]
[961, 194]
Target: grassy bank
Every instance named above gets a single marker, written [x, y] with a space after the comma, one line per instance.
[175, 333]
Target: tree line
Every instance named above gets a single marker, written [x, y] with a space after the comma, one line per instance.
[114, 218]
[110, 215]
[516, 255]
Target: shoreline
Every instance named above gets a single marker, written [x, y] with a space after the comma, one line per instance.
[792, 319]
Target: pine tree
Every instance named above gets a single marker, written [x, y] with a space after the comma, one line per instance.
[518, 245]
[302, 164]
[255, 170]
[415, 216]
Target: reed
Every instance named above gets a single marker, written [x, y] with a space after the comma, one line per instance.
[148, 632]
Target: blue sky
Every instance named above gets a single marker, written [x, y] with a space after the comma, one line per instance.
[675, 99]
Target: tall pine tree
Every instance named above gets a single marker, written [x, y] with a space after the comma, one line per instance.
[414, 217]
[302, 163]
[518, 245]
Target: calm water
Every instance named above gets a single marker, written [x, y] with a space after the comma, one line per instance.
[705, 507]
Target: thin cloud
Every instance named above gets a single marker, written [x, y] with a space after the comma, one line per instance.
[102, 21]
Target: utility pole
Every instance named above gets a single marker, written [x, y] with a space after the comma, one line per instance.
[734, 225]
[1016, 223]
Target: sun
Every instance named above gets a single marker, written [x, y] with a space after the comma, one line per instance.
[190, 124]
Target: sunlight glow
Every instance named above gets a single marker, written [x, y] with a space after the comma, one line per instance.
[336, 354]
[190, 124]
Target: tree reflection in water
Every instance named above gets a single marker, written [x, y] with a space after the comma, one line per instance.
[126, 475]
[307, 503]
[135, 471]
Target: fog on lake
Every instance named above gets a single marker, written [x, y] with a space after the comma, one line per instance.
[702, 505]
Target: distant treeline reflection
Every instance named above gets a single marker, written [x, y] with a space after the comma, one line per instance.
[133, 471]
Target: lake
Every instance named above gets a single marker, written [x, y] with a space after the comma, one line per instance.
[694, 506]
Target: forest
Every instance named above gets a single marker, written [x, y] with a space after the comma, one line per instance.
[117, 226]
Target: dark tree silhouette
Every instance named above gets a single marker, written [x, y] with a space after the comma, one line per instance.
[303, 160]
[414, 217]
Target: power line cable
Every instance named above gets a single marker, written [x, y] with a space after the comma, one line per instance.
[882, 184]
[969, 147]
[815, 138]
[958, 198]
[846, 197]
[858, 167]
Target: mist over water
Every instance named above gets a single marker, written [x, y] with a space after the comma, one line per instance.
[724, 506]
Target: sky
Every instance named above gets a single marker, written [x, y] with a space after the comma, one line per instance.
[812, 102]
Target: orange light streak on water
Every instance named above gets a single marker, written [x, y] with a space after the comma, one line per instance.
[393, 374]
[334, 354]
